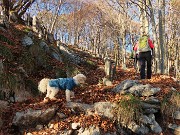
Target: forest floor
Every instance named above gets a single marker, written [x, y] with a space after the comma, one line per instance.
[95, 93]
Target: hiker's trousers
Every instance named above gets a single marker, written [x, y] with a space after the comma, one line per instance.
[145, 59]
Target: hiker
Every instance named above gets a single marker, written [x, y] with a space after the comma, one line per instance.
[144, 49]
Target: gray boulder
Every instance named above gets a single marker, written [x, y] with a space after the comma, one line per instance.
[27, 41]
[105, 109]
[143, 90]
[44, 46]
[32, 118]
[92, 130]
[125, 85]
[155, 127]
[76, 107]
[138, 129]
[56, 56]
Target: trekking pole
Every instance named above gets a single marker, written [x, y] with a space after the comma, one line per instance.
[135, 64]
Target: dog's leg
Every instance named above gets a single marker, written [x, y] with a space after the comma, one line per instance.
[53, 93]
[46, 99]
[68, 93]
[48, 91]
[72, 94]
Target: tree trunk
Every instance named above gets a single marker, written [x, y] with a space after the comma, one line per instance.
[18, 8]
[156, 62]
[124, 50]
[55, 17]
[177, 60]
[143, 17]
[116, 57]
[161, 14]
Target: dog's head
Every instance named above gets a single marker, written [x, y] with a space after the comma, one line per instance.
[80, 78]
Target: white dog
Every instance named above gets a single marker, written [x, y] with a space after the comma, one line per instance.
[54, 85]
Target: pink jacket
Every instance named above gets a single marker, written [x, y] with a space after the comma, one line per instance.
[150, 44]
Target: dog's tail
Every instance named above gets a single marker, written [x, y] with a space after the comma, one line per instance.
[43, 85]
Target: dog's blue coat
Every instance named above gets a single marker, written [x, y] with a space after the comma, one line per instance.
[63, 83]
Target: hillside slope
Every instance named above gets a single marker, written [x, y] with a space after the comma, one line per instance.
[14, 55]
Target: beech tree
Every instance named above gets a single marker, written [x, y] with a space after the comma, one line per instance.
[173, 38]
[16, 8]
[161, 14]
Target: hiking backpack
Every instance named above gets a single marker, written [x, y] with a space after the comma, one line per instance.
[143, 44]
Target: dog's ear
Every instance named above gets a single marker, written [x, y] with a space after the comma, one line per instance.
[82, 79]
[83, 76]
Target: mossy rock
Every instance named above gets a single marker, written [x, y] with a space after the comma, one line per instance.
[91, 64]
[40, 57]
[60, 73]
[128, 109]
[72, 70]
[28, 61]
[27, 29]
[32, 86]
